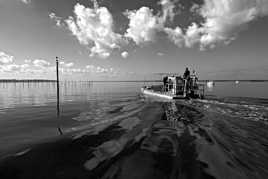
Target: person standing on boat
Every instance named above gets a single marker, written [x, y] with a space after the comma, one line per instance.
[165, 81]
[194, 75]
[194, 78]
[186, 77]
[186, 74]
[193, 82]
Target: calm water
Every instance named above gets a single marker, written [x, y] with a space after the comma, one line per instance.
[235, 122]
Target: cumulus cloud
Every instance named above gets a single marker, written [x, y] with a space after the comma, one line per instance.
[41, 63]
[5, 58]
[175, 35]
[66, 65]
[28, 68]
[56, 19]
[99, 69]
[10, 68]
[32, 67]
[193, 35]
[38, 67]
[143, 25]
[223, 20]
[42, 68]
[94, 26]
[168, 12]
[189, 38]
[124, 54]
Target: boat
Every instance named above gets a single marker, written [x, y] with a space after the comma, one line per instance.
[210, 84]
[176, 87]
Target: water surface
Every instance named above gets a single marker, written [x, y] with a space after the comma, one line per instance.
[224, 135]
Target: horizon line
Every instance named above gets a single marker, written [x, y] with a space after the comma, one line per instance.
[49, 80]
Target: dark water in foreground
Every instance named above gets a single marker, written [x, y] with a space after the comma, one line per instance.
[111, 131]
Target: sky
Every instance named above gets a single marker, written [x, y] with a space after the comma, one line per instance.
[133, 39]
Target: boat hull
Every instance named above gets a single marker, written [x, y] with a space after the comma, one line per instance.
[154, 93]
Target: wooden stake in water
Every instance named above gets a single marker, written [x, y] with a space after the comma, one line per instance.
[58, 93]
[58, 87]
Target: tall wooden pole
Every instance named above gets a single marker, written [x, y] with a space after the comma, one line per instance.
[58, 87]
[58, 94]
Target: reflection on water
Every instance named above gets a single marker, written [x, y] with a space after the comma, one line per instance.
[219, 137]
[28, 110]
[41, 93]
[16, 94]
[13, 95]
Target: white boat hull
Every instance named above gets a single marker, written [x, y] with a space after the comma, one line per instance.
[160, 95]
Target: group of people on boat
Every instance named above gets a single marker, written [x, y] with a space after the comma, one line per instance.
[187, 81]
[187, 75]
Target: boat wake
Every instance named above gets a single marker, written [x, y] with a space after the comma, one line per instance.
[136, 138]
[239, 110]
[192, 139]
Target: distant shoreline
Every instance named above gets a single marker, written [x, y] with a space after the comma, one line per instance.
[111, 81]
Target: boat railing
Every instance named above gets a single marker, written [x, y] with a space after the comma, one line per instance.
[167, 88]
[186, 87]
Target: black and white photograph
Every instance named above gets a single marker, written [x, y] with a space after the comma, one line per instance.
[133, 89]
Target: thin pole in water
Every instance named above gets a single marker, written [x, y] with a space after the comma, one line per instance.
[58, 92]
[58, 87]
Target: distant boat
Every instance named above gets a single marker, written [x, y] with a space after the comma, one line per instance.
[210, 84]
[236, 82]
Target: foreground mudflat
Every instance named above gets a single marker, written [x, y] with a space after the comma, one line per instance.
[163, 140]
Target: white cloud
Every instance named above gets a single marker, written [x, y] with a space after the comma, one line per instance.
[56, 19]
[30, 67]
[94, 26]
[66, 65]
[143, 25]
[168, 7]
[5, 58]
[10, 68]
[99, 69]
[223, 20]
[14, 68]
[193, 35]
[39, 68]
[43, 69]
[124, 54]
[176, 36]
[41, 63]
[26, 1]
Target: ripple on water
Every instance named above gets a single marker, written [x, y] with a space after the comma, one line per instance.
[246, 111]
